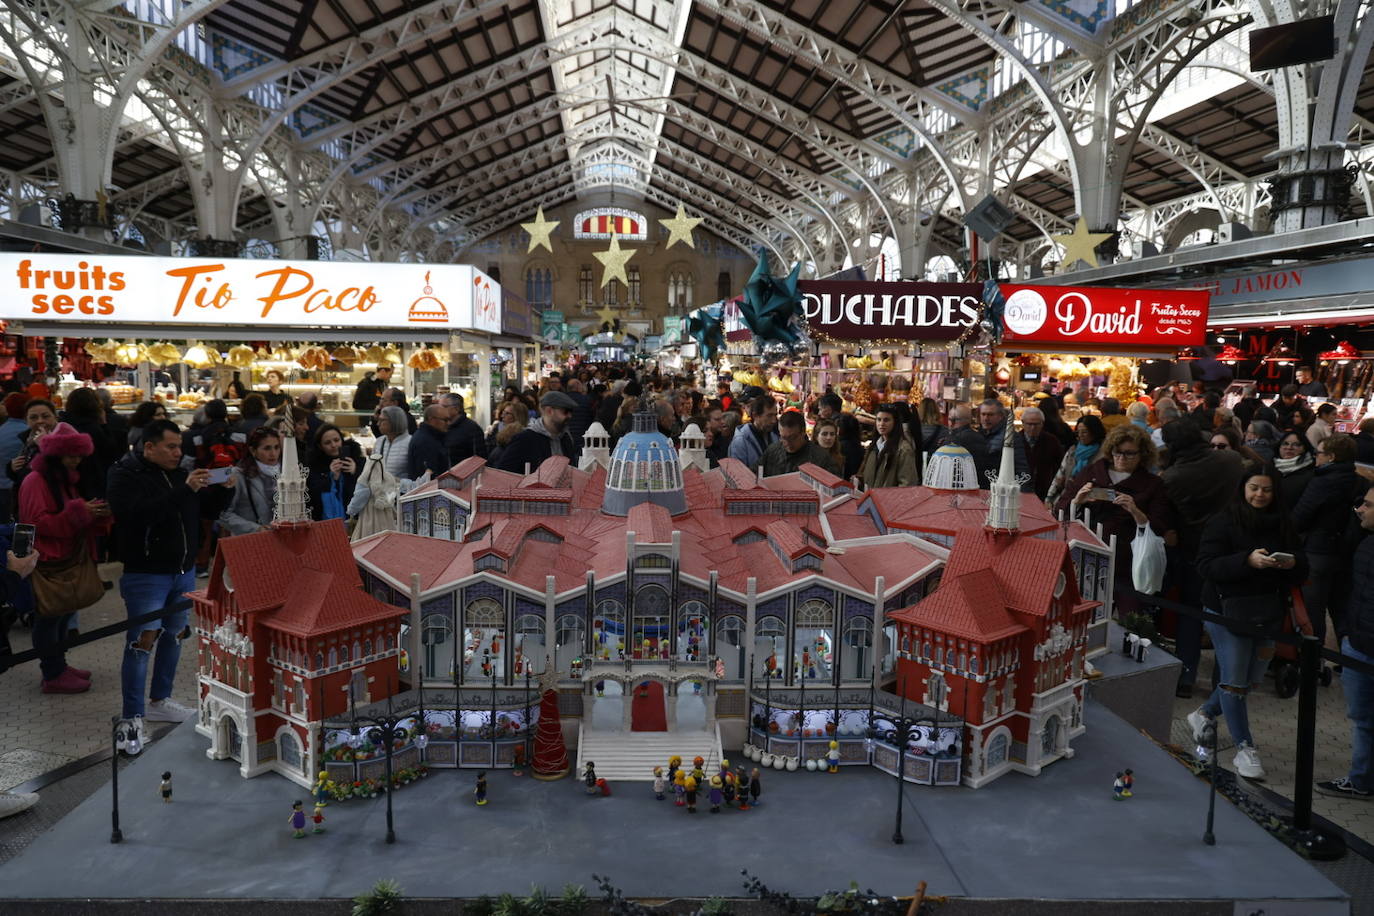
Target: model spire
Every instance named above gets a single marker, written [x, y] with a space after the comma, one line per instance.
[1004, 494]
[291, 507]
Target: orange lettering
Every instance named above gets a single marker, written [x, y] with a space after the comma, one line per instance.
[279, 291]
[188, 276]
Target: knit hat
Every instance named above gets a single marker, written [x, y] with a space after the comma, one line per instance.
[15, 402]
[64, 441]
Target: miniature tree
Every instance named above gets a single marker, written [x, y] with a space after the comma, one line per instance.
[550, 753]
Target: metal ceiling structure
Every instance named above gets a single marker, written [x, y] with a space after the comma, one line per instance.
[406, 129]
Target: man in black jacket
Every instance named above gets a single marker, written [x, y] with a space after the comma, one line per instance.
[428, 450]
[543, 438]
[1358, 686]
[368, 394]
[1321, 516]
[464, 438]
[157, 521]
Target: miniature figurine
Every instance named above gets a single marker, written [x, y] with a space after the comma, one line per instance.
[589, 778]
[166, 786]
[743, 779]
[690, 786]
[755, 787]
[518, 759]
[297, 821]
[321, 789]
[1141, 648]
[1119, 786]
[480, 793]
[1127, 782]
[833, 756]
[717, 793]
[658, 783]
[727, 776]
[318, 818]
[674, 764]
[601, 688]
[1126, 643]
[698, 773]
[679, 788]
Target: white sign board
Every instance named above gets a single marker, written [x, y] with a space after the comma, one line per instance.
[117, 289]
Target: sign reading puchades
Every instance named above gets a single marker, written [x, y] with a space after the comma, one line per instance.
[1097, 316]
[845, 310]
[242, 291]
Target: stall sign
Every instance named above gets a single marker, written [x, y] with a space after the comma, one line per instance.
[846, 310]
[1098, 316]
[673, 330]
[732, 321]
[118, 289]
[515, 314]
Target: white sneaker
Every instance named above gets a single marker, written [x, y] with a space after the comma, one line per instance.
[168, 710]
[132, 735]
[13, 803]
[1204, 727]
[1247, 762]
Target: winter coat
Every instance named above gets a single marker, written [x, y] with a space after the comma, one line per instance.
[899, 470]
[1200, 483]
[1293, 485]
[533, 444]
[1325, 509]
[778, 460]
[1044, 456]
[252, 504]
[156, 517]
[464, 439]
[427, 452]
[13, 433]
[60, 526]
[396, 455]
[320, 481]
[989, 458]
[749, 444]
[1145, 488]
[1359, 614]
[374, 500]
[368, 394]
[1221, 558]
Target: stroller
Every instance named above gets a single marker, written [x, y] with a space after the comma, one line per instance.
[1284, 665]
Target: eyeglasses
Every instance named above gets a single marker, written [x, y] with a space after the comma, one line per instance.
[1220, 445]
[1120, 453]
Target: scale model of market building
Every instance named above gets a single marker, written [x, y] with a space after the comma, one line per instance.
[775, 614]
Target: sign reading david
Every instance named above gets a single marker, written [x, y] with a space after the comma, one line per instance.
[851, 310]
[1097, 316]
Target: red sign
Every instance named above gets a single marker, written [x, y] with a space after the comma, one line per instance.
[848, 310]
[1097, 316]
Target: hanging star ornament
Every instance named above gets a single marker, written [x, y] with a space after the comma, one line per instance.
[606, 315]
[1080, 245]
[539, 231]
[680, 228]
[613, 262]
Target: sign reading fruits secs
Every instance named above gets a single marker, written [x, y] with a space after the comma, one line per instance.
[65, 287]
[1093, 316]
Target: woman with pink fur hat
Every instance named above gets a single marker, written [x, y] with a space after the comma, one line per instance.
[49, 499]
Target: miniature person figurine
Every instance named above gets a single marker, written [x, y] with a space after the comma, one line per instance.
[519, 760]
[1127, 781]
[297, 821]
[674, 764]
[833, 756]
[658, 783]
[727, 776]
[679, 788]
[321, 791]
[480, 793]
[589, 778]
[690, 785]
[742, 778]
[1119, 786]
[698, 773]
[167, 786]
[717, 793]
[755, 787]
[318, 818]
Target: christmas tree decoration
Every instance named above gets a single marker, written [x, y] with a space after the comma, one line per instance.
[539, 231]
[550, 753]
[613, 261]
[1080, 245]
[680, 228]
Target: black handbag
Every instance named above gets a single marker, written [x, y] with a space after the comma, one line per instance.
[1265, 610]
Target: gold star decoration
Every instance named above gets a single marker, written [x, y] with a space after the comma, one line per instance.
[680, 228]
[1079, 245]
[613, 262]
[606, 315]
[539, 231]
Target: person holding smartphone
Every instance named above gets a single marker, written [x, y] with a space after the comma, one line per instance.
[157, 511]
[334, 466]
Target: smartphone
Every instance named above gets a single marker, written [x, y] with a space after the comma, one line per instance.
[219, 475]
[1102, 493]
[1283, 557]
[22, 542]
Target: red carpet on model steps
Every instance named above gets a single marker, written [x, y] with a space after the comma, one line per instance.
[646, 715]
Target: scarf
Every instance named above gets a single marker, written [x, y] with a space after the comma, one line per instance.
[1082, 454]
[269, 470]
[1286, 466]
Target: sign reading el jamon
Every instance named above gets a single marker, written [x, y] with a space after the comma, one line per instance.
[858, 310]
[1098, 316]
[138, 290]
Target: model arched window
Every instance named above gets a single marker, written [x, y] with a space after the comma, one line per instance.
[333, 656]
[856, 658]
[289, 750]
[997, 751]
[343, 654]
[319, 660]
[529, 643]
[731, 644]
[608, 630]
[569, 639]
[693, 623]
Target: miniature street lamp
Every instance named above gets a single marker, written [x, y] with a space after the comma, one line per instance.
[903, 728]
[130, 734]
[422, 739]
[387, 729]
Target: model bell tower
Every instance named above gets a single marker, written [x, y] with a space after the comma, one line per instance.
[1004, 493]
[291, 506]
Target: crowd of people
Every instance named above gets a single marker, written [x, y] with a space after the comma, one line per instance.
[1252, 502]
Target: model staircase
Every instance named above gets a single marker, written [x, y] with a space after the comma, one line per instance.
[632, 756]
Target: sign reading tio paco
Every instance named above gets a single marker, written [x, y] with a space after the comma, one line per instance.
[134, 290]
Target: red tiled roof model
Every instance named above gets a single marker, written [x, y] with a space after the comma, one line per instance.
[1026, 567]
[651, 523]
[970, 606]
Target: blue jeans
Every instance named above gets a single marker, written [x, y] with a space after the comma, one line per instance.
[1239, 666]
[142, 593]
[1359, 706]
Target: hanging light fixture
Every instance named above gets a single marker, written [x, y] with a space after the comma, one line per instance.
[1345, 351]
[1230, 355]
[1186, 354]
[1281, 355]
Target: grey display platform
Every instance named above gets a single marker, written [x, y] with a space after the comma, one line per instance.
[1142, 693]
[1060, 836]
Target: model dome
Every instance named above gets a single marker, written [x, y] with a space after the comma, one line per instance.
[644, 469]
[951, 468]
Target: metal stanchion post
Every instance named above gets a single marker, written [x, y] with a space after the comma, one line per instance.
[1315, 842]
[1208, 836]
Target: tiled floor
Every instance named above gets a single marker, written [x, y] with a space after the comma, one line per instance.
[70, 727]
